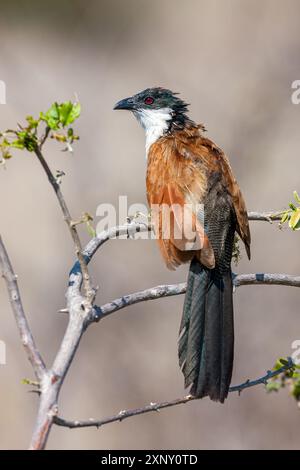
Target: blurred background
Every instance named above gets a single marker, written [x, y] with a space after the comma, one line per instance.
[234, 61]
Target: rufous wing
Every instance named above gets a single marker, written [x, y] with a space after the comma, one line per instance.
[212, 159]
[179, 231]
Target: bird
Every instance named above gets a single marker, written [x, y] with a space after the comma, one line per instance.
[188, 174]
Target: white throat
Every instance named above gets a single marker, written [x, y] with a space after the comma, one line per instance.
[155, 122]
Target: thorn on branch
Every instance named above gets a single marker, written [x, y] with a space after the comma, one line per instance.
[124, 414]
[63, 310]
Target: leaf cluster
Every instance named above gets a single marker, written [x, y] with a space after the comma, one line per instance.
[56, 122]
[292, 215]
[289, 378]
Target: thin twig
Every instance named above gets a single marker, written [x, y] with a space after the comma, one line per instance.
[89, 291]
[45, 137]
[80, 308]
[266, 216]
[30, 347]
[124, 414]
[275, 279]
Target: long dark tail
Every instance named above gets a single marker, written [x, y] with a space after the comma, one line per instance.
[206, 339]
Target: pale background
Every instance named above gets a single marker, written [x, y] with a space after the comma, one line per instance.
[234, 61]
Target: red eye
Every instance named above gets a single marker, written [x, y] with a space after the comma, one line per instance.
[149, 100]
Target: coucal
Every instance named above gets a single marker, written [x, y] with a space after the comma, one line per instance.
[186, 169]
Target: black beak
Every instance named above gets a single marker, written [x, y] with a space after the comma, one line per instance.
[127, 103]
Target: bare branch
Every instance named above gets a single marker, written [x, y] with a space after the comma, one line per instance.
[50, 388]
[178, 289]
[127, 229]
[81, 314]
[53, 380]
[124, 414]
[15, 300]
[153, 293]
[134, 227]
[79, 308]
[72, 228]
[137, 227]
[267, 279]
[266, 216]
[75, 278]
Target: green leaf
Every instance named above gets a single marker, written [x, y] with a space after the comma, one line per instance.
[51, 117]
[296, 390]
[62, 114]
[57, 118]
[296, 197]
[75, 113]
[284, 217]
[65, 110]
[294, 222]
[17, 144]
[30, 382]
[25, 382]
[282, 361]
[273, 386]
[90, 229]
[5, 143]
[292, 206]
[53, 112]
[297, 226]
[6, 155]
[70, 133]
[68, 112]
[32, 123]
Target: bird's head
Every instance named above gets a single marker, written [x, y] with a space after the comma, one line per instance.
[156, 108]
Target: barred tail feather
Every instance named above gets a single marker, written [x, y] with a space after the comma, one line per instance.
[206, 340]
